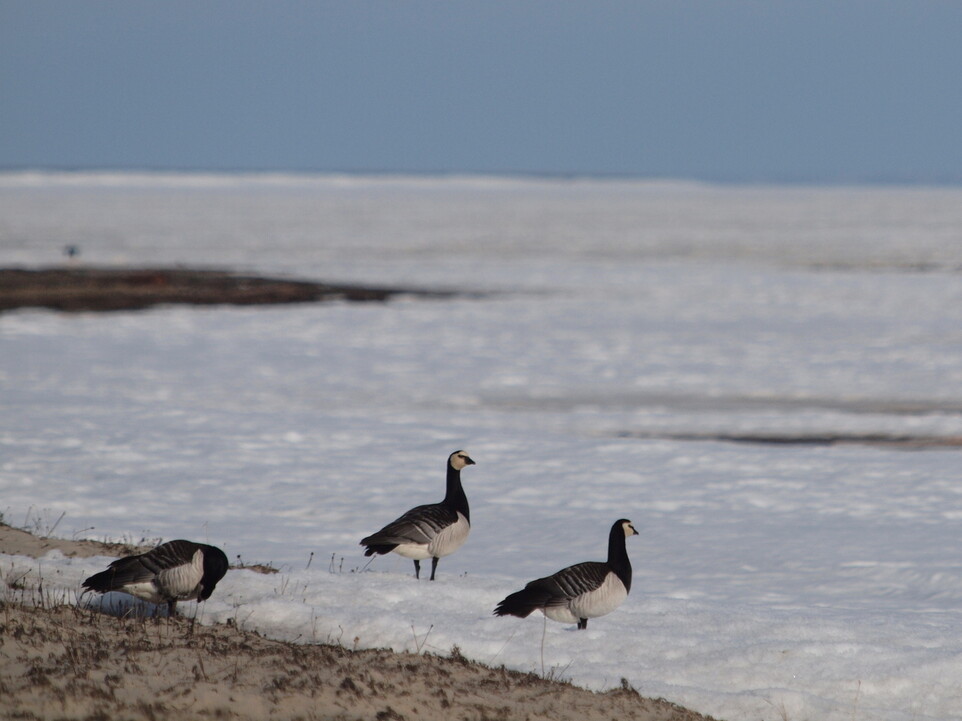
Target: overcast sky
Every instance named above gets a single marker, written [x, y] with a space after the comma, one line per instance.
[831, 91]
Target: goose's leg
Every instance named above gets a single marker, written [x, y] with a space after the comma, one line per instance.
[417, 569]
[582, 624]
[434, 566]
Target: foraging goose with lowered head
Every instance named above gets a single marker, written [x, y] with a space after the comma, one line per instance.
[173, 571]
[431, 531]
[577, 593]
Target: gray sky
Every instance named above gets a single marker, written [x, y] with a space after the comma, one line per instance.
[832, 91]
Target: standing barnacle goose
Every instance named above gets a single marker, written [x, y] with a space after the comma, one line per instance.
[174, 571]
[429, 531]
[577, 593]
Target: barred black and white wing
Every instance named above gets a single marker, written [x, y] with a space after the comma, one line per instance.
[556, 591]
[419, 527]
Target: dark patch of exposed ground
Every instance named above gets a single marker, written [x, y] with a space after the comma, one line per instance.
[109, 289]
[883, 440]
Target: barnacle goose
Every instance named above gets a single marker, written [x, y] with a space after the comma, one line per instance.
[577, 593]
[430, 531]
[173, 571]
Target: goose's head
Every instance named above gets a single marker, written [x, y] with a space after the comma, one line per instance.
[627, 527]
[460, 459]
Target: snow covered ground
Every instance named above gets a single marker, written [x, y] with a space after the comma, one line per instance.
[631, 324]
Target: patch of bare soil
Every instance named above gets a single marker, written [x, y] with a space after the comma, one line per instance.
[17, 542]
[104, 289]
[883, 440]
[67, 662]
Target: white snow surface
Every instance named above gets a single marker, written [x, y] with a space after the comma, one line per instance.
[623, 326]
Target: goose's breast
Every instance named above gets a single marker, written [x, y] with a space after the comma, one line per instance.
[604, 599]
[450, 538]
[181, 582]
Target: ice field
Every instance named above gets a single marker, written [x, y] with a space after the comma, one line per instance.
[766, 381]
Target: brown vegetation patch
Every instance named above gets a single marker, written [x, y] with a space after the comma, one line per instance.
[885, 440]
[105, 289]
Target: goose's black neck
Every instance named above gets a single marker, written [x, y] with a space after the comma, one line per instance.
[455, 498]
[215, 567]
[618, 555]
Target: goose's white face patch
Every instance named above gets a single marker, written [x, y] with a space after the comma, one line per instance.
[629, 529]
[460, 459]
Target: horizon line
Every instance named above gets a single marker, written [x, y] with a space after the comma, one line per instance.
[521, 175]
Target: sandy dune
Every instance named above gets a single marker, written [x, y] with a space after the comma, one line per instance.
[78, 663]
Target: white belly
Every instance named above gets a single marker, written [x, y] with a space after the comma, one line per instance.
[599, 602]
[146, 591]
[561, 614]
[417, 551]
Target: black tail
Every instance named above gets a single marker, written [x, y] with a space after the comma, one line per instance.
[121, 572]
[101, 582]
[379, 548]
[522, 603]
